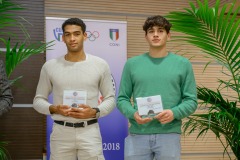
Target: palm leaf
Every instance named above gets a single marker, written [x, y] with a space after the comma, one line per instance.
[9, 19]
[217, 35]
[20, 53]
[4, 154]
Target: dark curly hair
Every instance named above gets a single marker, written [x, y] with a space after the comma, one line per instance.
[74, 21]
[157, 21]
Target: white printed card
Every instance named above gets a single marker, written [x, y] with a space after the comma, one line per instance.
[74, 97]
[149, 106]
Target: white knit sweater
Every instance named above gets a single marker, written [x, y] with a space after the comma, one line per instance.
[92, 75]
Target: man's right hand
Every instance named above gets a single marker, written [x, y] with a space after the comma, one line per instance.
[141, 120]
[60, 109]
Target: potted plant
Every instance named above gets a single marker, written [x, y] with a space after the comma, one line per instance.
[15, 53]
[215, 31]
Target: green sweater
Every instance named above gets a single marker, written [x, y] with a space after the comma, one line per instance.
[171, 77]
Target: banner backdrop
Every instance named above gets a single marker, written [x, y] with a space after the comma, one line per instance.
[108, 40]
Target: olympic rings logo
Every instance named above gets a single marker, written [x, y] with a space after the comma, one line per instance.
[92, 36]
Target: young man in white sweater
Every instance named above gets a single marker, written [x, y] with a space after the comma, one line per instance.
[77, 78]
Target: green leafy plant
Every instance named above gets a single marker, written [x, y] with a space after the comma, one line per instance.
[20, 51]
[215, 31]
[4, 155]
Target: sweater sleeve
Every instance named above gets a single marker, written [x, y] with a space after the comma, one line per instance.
[189, 95]
[125, 93]
[6, 98]
[106, 89]
[44, 88]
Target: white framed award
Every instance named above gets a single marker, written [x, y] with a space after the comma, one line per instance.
[74, 97]
[149, 106]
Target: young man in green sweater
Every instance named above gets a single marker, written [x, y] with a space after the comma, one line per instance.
[157, 72]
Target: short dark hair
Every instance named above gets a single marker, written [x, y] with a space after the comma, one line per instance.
[157, 21]
[74, 21]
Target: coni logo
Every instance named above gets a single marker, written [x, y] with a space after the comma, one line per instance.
[58, 34]
[114, 34]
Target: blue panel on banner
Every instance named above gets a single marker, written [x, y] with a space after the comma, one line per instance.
[113, 134]
[49, 131]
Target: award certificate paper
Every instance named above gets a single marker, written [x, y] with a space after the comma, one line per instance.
[149, 106]
[74, 97]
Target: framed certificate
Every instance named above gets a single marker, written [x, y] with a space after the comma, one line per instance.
[74, 97]
[149, 106]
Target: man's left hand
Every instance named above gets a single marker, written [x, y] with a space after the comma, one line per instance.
[166, 116]
[82, 112]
